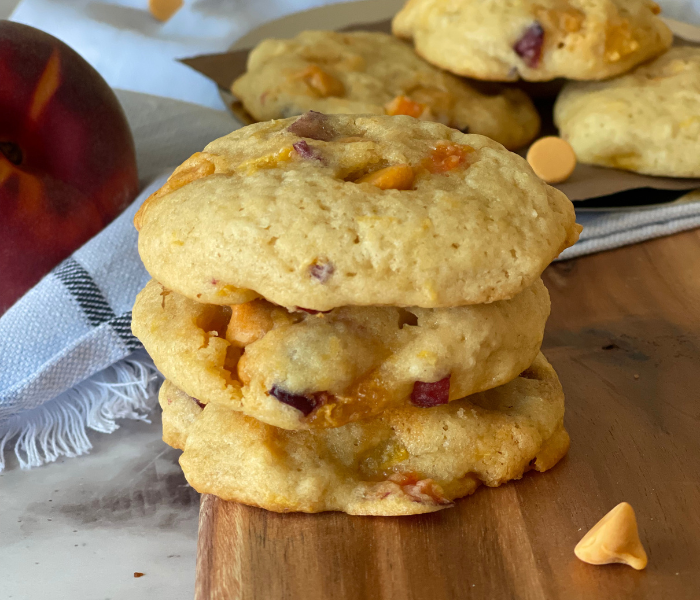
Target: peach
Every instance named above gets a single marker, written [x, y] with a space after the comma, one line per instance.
[67, 158]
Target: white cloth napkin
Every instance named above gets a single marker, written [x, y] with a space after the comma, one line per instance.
[606, 230]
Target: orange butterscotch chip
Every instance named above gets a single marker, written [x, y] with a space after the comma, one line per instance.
[655, 8]
[195, 167]
[396, 177]
[321, 82]
[163, 10]
[249, 322]
[552, 159]
[402, 105]
[447, 156]
[614, 539]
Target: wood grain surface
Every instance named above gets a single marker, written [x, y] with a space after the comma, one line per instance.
[624, 336]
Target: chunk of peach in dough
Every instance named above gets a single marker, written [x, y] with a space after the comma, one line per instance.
[448, 156]
[249, 322]
[402, 105]
[321, 82]
[396, 177]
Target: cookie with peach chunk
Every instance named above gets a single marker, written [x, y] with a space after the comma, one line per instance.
[534, 40]
[363, 72]
[327, 211]
[299, 370]
[647, 121]
[409, 460]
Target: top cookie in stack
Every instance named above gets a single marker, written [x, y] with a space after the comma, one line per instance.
[534, 40]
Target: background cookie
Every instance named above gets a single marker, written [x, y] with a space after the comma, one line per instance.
[407, 461]
[536, 40]
[647, 121]
[328, 211]
[374, 73]
[301, 371]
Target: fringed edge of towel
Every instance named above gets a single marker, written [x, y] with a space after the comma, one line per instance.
[126, 390]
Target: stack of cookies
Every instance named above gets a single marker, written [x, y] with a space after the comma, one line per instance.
[348, 312]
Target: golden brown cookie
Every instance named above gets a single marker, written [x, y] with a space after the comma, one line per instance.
[534, 40]
[407, 461]
[647, 121]
[375, 73]
[306, 371]
[324, 211]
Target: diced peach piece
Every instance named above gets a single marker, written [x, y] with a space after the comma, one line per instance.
[378, 464]
[269, 161]
[321, 82]
[425, 491]
[619, 41]
[402, 105]
[396, 177]
[447, 156]
[249, 322]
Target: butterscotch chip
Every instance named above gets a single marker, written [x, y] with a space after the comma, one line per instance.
[163, 10]
[396, 177]
[406, 461]
[614, 539]
[552, 159]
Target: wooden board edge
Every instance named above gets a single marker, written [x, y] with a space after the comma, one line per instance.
[205, 546]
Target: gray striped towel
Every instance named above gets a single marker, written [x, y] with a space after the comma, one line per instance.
[66, 350]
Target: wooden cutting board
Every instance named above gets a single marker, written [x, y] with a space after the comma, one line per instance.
[624, 336]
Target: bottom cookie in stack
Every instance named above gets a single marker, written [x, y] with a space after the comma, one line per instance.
[407, 460]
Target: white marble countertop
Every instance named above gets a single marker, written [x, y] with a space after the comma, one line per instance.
[81, 527]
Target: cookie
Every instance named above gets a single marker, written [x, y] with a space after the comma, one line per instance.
[534, 40]
[375, 73]
[407, 461]
[324, 211]
[305, 371]
[647, 121]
